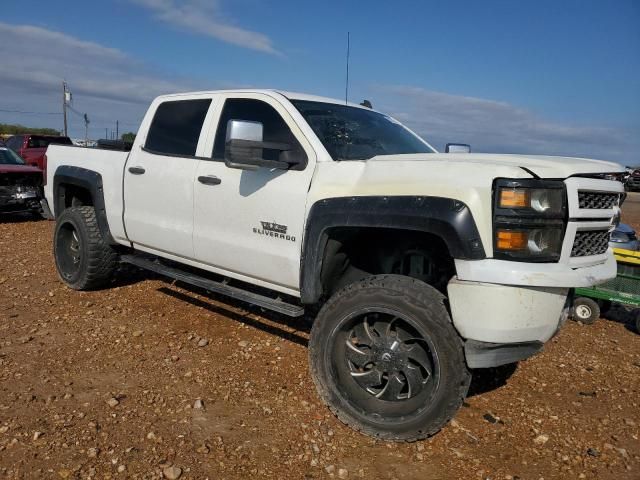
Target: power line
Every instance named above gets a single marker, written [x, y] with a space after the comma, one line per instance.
[31, 113]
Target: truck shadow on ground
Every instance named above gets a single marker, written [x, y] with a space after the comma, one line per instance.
[488, 379]
[294, 330]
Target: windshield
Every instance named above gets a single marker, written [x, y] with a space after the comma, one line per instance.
[43, 142]
[351, 133]
[9, 157]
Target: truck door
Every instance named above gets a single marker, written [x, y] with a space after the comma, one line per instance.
[248, 224]
[159, 176]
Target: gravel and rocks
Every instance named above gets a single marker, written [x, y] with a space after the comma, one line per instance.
[113, 384]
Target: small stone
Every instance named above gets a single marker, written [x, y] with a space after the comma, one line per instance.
[623, 452]
[137, 333]
[592, 452]
[203, 342]
[113, 402]
[490, 418]
[151, 436]
[541, 439]
[198, 404]
[37, 435]
[93, 452]
[243, 343]
[4, 429]
[343, 473]
[329, 469]
[202, 449]
[121, 468]
[25, 339]
[172, 473]
[628, 421]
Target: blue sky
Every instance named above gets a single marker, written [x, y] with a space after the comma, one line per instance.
[554, 77]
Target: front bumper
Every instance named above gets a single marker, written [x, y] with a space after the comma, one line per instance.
[17, 198]
[490, 313]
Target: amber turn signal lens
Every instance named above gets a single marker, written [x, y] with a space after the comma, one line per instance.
[514, 198]
[508, 240]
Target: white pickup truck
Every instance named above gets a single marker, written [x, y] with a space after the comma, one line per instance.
[422, 266]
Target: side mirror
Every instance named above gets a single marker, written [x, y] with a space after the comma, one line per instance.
[457, 148]
[245, 149]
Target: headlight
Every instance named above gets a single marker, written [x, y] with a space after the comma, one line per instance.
[540, 200]
[533, 244]
[529, 219]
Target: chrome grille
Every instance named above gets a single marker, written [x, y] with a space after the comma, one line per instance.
[597, 200]
[590, 242]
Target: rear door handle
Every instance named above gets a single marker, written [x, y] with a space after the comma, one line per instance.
[136, 170]
[209, 180]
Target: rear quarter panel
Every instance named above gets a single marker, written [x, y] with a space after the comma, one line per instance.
[109, 164]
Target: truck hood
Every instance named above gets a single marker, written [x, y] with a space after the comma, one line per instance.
[542, 166]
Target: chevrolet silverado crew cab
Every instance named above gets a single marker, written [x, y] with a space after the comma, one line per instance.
[421, 266]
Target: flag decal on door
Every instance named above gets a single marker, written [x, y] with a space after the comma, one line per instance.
[275, 230]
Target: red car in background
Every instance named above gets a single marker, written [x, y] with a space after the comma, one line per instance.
[32, 148]
[20, 184]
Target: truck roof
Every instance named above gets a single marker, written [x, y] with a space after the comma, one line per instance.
[289, 95]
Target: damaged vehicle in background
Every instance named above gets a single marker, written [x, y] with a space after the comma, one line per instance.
[20, 184]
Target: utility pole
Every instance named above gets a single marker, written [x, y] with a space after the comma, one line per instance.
[64, 106]
[105, 133]
[117, 137]
[86, 129]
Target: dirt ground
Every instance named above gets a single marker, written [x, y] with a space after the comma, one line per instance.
[150, 378]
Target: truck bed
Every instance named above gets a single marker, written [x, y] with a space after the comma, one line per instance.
[108, 163]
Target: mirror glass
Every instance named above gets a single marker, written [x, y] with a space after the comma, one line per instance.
[244, 130]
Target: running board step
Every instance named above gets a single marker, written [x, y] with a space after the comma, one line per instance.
[274, 304]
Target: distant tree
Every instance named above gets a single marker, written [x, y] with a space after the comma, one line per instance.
[14, 129]
[128, 137]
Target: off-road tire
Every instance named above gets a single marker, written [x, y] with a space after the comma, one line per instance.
[97, 259]
[585, 310]
[637, 323]
[423, 305]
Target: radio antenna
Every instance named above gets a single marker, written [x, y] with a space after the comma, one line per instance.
[346, 87]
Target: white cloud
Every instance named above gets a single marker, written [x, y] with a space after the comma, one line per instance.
[499, 127]
[106, 82]
[203, 17]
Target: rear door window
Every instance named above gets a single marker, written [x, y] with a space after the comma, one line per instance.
[176, 126]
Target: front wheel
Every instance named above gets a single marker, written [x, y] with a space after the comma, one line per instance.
[386, 359]
[586, 310]
[84, 259]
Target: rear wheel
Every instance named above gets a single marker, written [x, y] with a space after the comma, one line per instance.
[386, 359]
[585, 310]
[83, 259]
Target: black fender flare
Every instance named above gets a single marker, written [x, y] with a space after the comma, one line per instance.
[89, 180]
[447, 218]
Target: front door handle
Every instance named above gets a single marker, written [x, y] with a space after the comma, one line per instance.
[136, 170]
[209, 180]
